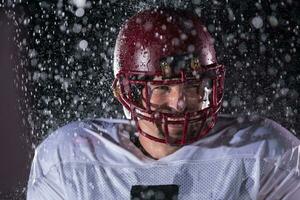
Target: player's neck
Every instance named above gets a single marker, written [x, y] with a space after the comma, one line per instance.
[155, 149]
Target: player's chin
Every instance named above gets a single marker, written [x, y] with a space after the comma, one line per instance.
[175, 131]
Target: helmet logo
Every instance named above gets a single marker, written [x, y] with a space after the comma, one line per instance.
[195, 63]
[172, 66]
[166, 69]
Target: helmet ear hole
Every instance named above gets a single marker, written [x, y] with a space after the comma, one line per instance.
[137, 93]
[132, 93]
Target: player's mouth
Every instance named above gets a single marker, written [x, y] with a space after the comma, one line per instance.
[178, 128]
[180, 121]
[175, 127]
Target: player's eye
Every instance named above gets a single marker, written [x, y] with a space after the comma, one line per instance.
[162, 89]
[192, 89]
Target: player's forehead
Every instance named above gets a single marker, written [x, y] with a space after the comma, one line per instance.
[160, 80]
[163, 79]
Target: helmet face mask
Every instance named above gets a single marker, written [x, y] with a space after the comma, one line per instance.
[178, 95]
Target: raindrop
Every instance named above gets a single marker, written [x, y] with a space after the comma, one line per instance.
[183, 36]
[260, 99]
[196, 2]
[257, 22]
[284, 91]
[138, 20]
[231, 16]
[287, 58]
[148, 26]
[79, 12]
[211, 28]
[273, 21]
[191, 48]
[225, 103]
[77, 28]
[175, 41]
[79, 3]
[83, 44]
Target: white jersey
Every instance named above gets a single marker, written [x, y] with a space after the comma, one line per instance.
[240, 159]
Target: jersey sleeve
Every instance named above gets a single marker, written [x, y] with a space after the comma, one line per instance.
[45, 180]
[281, 175]
[70, 144]
[281, 178]
[41, 185]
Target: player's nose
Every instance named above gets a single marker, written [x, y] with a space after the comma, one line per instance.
[177, 98]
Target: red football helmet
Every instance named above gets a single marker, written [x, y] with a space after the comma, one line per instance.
[156, 49]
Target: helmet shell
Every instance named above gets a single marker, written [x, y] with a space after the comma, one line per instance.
[154, 34]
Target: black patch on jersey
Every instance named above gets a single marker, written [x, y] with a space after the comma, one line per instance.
[154, 192]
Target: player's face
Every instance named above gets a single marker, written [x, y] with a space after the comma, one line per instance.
[174, 99]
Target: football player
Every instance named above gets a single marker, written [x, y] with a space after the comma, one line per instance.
[173, 145]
